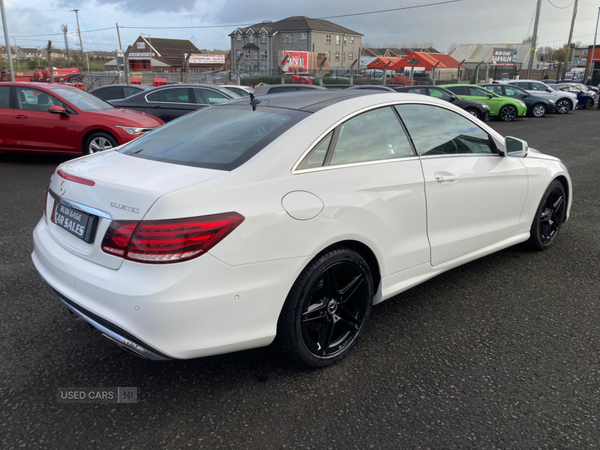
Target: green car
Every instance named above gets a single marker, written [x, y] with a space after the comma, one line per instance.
[505, 108]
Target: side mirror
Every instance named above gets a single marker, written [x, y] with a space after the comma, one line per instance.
[515, 147]
[454, 97]
[58, 110]
[490, 96]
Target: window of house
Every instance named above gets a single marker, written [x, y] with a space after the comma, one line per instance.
[352, 39]
[263, 54]
[238, 53]
[290, 37]
[263, 38]
[251, 38]
[263, 68]
[337, 56]
[238, 37]
[337, 39]
[328, 39]
[350, 55]
[248, 54]
[344, 40]
[283, 38]
[255, 54]
[437, 131]
[256, 68]
[303, 36]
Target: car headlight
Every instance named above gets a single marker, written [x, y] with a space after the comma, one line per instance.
[135, 131]
[522, 104]
[552, 102]
[484, 106]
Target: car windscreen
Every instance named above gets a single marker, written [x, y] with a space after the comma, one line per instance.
[83, 100]
[231, 93]
[220, 137]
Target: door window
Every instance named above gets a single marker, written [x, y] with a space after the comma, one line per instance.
[5, 97]
[523, 85]
[513, 92]
[35, 100]
[438, 93]
[437, 131]
[496, 89]
[460, 90]
[476, 92]
[128, 92]
[539, 87]
[371, 136]
[172, 95]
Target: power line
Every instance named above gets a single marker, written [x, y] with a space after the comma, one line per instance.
[390, 10]
[561, 7]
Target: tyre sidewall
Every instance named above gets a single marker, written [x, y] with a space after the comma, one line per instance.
[291, 333]
[535, 239]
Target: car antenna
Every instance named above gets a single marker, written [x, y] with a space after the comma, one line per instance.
[253, 101]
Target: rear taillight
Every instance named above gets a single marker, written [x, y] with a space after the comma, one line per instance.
[168, 241]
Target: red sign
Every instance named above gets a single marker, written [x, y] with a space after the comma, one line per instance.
[297, 62]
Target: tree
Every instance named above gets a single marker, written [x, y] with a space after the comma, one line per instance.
[452, 47]
[527, 40]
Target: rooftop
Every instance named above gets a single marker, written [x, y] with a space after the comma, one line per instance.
[298, 23]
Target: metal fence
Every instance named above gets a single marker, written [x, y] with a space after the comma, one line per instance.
[97, 79]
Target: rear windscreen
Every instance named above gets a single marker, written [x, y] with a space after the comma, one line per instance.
[222, 137]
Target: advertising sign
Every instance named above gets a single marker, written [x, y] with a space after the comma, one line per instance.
[504, 57]
[297, 62]
[143, 55]
[141, 45]
[207, 59]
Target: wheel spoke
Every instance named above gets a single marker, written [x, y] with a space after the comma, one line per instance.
[329, 283]
[556, 205]
[350, 319]
[350, 289]
[94, 145]
[315, 312]
[325, 335]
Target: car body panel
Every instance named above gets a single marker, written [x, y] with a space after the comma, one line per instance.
[535, 87]
[529, 99]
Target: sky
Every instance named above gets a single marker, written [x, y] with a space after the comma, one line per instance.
[31, 23]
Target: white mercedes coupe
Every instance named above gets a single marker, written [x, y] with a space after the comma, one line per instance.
[286, 218]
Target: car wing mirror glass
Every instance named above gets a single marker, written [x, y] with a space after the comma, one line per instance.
[58, 110]
[515, 147]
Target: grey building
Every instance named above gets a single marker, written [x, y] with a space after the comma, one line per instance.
[261, 45]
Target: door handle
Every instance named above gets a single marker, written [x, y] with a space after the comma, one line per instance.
[445, 177]
[21, 116]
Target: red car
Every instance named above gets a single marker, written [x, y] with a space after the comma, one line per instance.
[54, 118]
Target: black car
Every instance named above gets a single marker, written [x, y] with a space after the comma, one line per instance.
[281, 88]
[173, 101]
[118, 91]
[475, 108]
[536, 106]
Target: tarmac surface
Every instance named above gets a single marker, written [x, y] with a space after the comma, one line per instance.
[502, 353]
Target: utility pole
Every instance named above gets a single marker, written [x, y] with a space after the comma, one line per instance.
[64, 30]
[17, 54]
[76, 11]
[50, 71]
[120, 49]
[126, 67]
[7, 42]
[534, 38]
[591, 58]
[568, 52]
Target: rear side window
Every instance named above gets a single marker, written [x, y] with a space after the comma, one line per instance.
[371, 136]
[316, 157]
[459, 90]
[172, 95]
[496, 88]
[438, 93]
[111, 93]
[221, 138]
[128, 91]
[4, 97]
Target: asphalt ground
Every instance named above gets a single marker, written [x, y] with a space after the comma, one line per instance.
[502, 353]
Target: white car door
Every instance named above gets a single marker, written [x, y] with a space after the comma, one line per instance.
[474, 196]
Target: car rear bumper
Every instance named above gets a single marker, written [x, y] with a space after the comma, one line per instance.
[184, 310]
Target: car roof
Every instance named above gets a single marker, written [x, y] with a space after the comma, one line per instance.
[50, 86]
[304, 101]
[309, 86]
[135, 86]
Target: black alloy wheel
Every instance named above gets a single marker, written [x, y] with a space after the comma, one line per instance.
[508, 113]
[549, 217]
[589, 103]
[539, 110]
[327, 309]
[563, 106]
[473, 112]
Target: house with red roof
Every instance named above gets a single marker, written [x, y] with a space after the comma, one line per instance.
[427, 61]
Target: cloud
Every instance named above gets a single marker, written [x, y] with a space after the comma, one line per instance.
[140, 7]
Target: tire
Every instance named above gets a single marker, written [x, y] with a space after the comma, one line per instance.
[74, 79]
[97, 142]
[539, 110]
[548, 217]
[327, 309]
[473, 112]
[588, 103]
[508, 113]
[563, 106]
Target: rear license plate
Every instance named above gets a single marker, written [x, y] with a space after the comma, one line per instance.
[76, 222]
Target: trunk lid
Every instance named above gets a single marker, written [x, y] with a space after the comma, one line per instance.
[124, 188]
